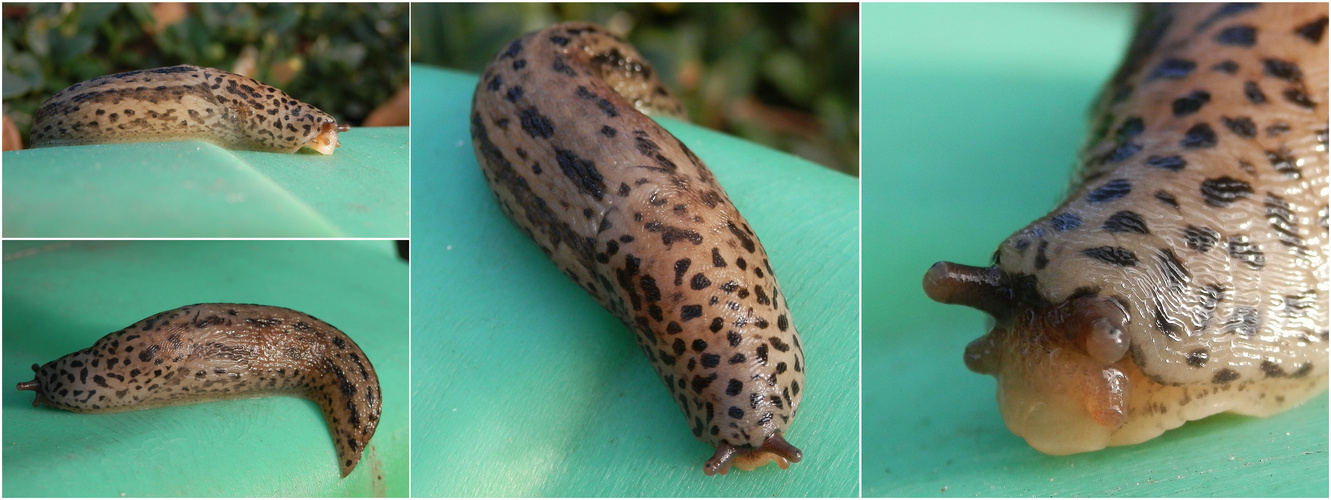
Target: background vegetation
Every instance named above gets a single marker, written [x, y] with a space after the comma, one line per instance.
[784, 75]
[342, 58]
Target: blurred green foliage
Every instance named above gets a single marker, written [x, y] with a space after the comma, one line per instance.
[783, 75]
[342, 58]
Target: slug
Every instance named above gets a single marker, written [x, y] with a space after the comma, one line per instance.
[634, 217]
[1186, 272]
[207, 352]
[183, 103]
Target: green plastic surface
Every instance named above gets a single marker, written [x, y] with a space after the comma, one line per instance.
[60, 297]
[972, 118]
[523, 386]
[196, 189]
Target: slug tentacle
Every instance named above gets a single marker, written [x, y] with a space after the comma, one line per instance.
[983, 288]
[638, 221]
[208, 352]
[1186, 272]
[1098, 325]
[33, 385]
[183, 103]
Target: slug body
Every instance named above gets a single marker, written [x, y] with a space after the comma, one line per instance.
[208, 352]
[183, 103]
[1186, 274]
[629, 213]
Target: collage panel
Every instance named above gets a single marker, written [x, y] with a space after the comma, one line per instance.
[523, 384]
[994, 136]
[1094, 250]
[184, 120]
[193, 322]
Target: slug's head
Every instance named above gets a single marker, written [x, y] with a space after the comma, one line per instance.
[1060, 366]
[58, 384]
[35, 385]
[326, 141]
[774, 449]
[289, 128]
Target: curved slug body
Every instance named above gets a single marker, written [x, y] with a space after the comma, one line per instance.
[629, 213]
[1186, 273]
[183, 103]
[207, 352]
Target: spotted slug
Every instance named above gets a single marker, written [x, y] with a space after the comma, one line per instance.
[634, 217]
[208, 352]
[183, 103]
[1186, 272]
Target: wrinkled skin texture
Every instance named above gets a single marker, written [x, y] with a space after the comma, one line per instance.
[629, 213]
[1186, 274]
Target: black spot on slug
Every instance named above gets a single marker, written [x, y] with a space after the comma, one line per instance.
[1224, 191]
[1200, 136]
[1173, 163]
[1126, 221]
[1313, 31]
[1172, 68]
[1190, 103]
[1118, 256]
[1111, 190]
[1238, 36]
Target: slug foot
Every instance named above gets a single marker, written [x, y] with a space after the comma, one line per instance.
[774, 449]
[326, 142]
[1060, 401]
[1060, 367]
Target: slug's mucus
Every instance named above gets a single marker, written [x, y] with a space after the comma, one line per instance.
[183, 103]
[629, 213]
[1186, 273]
[208, 352]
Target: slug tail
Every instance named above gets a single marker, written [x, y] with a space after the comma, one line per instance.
[351, 415]
[346, 438]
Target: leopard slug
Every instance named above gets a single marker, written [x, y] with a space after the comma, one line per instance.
[1186, 272]
[634, 217]
[183, 103]
[207, 352]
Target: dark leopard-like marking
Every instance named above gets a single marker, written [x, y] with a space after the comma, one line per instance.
[206, 352]
[640, 223]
